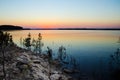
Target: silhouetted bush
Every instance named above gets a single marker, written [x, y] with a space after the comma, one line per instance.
[35, 45]
[27, 42]
[62, 53]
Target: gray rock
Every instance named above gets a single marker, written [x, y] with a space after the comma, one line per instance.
[24, 58]
[55, 77]
[36, 61]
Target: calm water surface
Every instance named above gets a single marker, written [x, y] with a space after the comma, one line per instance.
[91, 48]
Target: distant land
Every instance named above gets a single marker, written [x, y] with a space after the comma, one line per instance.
[75, 29]
[12, 27]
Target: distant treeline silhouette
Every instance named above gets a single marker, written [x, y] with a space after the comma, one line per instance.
[88, 28]
[10, 27]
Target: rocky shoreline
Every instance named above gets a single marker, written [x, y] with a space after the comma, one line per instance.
[21, 64]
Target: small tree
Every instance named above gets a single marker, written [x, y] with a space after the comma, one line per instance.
[37, 44]
[11, 40]
[49, 52]
[34, 45]
[27, 42]
[62, 53]
[40, 44]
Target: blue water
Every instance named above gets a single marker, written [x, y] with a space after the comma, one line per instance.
[91, 49]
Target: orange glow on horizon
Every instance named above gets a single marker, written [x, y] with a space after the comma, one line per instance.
[62, 24]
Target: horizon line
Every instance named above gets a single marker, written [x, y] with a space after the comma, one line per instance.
[72, 28]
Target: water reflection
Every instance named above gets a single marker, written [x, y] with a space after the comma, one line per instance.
[115, 64]
[88, 51]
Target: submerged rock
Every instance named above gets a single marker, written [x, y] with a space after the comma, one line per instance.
[68, 71]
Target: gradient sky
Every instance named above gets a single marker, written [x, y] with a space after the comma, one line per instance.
[60, 13]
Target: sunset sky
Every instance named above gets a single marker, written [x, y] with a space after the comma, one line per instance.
[61, 13]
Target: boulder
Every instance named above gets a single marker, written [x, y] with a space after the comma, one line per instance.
[55, 77]
[23, 59]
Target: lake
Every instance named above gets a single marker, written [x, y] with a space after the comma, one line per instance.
[91, 48]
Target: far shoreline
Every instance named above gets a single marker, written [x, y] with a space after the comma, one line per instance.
[12, 27]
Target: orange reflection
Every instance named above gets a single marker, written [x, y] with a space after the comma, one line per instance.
[67, 37]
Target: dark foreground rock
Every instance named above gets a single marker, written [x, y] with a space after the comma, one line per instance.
[21, 64]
